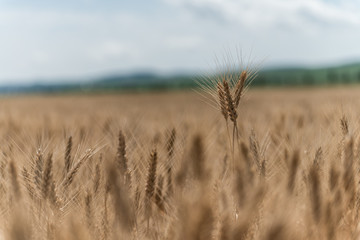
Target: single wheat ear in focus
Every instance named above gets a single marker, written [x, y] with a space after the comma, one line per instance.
[239, 88]
[231, 110]
[225, 90]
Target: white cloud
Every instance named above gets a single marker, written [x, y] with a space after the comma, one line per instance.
[265, 13]
[111, 50]
[173, 35]
[282, 31]
[182, 42]
[42, 43]
[53, 44]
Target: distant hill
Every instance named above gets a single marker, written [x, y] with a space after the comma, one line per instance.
[144, 81]
[343, 74]
[296, 76]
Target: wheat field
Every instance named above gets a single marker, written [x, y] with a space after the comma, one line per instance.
[169, 166]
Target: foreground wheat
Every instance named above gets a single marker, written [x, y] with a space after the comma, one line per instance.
[141, 167]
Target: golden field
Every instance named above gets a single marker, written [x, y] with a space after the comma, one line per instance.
[166, 166]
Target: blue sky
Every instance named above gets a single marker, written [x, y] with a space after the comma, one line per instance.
[50, 40]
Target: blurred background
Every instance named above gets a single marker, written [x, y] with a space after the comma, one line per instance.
[112, 45]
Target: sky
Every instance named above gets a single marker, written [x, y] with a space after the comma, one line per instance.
[48, 40]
